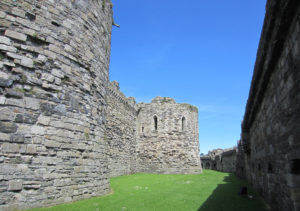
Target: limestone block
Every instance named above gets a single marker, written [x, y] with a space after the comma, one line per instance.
[54, 48]
[44, 120]
[27, 62]
[15, 102]
[2, 100]
[8, 127]
[18, 12]
[2, 14]
[6, 114]
[42, 58]
[52, 144]
[15, 185]
[4, 76]
[4, 40]
[15, 35]
[32, 103]
[50, 54]
[31, 149]
[10, 148]
[28, 24]
[57, 73]
[10, 18]
[13, 93]
[14, 56]
[7, 48]
[37, 130]
[4, 137]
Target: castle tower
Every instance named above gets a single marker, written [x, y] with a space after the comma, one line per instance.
[167, 137]
[54, 64]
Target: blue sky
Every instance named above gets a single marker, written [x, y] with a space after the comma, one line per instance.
[197, 52]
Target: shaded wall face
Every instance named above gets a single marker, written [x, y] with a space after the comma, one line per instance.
[229, 162]
[272, 163]
[120, 134]
[168, 138]
[54, 58]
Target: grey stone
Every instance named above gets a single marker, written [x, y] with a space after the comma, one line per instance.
[2, 100]
[17, 138]
[27, 62]
[6, 114]
[32, 103]
[13, 93]
[4, 40]
[8, 127]
[10, 148]
[37, 130]
[15, 185]
[15, 35]
[26, 118]
[6, 82]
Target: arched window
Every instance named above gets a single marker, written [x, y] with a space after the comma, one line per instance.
[182, 123]
[155, 122]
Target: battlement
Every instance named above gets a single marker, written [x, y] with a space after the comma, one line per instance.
[114, 90]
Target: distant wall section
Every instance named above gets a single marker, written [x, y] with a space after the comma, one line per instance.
[220, 160]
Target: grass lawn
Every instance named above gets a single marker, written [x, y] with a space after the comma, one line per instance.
[210, 191]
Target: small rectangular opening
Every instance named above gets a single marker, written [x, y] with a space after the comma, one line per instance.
[295, 166]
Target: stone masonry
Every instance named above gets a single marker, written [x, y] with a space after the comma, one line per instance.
[121, 132]
[269, 151]
[64, 129]
[138, 143]
[54, 60]
[220, 160]
[167, 137]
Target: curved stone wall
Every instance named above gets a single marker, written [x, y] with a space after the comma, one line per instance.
[169, 144]
[54, 59]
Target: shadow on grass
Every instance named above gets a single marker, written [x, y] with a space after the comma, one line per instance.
[226, 197]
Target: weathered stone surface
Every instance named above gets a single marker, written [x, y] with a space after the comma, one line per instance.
[71, 130]
[8, 127]
[10, 148]
[6, 82]
[6, 114]
[4, 40]
[269, 152]
[13, 93]
[47, 122]
[27, 62]
[15, 35]
[220, 160]
[167, 135]
[15, 185]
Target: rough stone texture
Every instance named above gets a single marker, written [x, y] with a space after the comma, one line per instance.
[64, 130]
[172, 145]
[269, 151]
[121, 132]
[220, 160]
[135, 145]
[54, 59]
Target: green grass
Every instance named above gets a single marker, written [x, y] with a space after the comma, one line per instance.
[211, 190]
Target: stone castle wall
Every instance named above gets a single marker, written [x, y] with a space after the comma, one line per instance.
[54, 59]
[170, 143]
[64, 129]
[120, 132]
[269, 152]
[220, 160]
